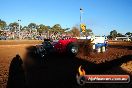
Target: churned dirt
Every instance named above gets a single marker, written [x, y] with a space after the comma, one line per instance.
[9, 49]
[115, 51]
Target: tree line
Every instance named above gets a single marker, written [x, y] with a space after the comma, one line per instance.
[31, 27]
[113, 34]
[41, 28]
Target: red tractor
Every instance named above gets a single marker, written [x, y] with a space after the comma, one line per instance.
[66, 45]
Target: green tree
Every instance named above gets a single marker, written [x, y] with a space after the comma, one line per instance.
[25, 28]
[113, 34]
[120, 35]
[32, 26]
[57, 29]
[42, 29]
[2, 24]
[13, 26]
[129, 33]
[66, 29]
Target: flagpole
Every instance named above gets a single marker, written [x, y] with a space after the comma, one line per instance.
[19, 28]
[81, 15]
[80, 20]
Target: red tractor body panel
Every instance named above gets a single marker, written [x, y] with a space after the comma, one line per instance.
[61, 45]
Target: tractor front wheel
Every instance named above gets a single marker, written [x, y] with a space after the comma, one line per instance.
[72, 49]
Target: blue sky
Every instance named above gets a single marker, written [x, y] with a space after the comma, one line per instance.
[101, 16]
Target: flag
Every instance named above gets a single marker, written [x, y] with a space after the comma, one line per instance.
[81, 10]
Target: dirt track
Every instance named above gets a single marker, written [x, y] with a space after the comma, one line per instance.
[7, 52]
